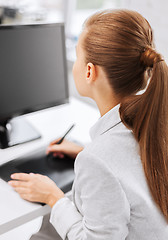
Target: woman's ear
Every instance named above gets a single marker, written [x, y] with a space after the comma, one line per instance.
[90, 73]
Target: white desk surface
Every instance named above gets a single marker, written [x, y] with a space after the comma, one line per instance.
[51, 123]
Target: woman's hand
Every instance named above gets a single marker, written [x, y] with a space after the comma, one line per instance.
[65, 148]
[36, 188]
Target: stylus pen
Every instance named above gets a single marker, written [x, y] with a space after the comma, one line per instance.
[60, 141]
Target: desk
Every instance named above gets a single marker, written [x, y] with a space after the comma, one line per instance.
[51, 123]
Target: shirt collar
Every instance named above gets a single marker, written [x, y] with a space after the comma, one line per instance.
[106, 122]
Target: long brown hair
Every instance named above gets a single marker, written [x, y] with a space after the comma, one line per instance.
[121, 42]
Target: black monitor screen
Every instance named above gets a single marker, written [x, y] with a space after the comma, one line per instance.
[32, 68]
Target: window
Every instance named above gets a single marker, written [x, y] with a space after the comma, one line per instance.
[82, 9]
[77, 12]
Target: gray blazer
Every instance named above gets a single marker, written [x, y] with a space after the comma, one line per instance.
[110, 195]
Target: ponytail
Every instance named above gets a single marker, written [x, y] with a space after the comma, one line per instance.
[147, 116]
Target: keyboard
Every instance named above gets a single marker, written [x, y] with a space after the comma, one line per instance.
[61, 171]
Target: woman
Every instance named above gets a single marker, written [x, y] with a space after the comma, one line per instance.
[121, 186]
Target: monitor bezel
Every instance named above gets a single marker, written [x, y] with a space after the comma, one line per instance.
[20, 112]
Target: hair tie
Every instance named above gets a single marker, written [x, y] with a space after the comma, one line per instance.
[161, 60]
[149, 57]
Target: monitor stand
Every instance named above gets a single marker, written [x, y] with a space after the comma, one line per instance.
[16, 131]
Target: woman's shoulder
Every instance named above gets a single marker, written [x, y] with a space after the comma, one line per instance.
[116, 149]
[115, 142]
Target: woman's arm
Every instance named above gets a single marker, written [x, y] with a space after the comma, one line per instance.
[39, 188]
[36, 188]
[101, 209]
[68, 148]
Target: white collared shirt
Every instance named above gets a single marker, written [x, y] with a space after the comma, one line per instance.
[110, 196]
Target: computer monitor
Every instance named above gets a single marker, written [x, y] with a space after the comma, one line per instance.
[33, 76]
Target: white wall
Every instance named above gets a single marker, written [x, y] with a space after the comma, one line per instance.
[156, 12]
